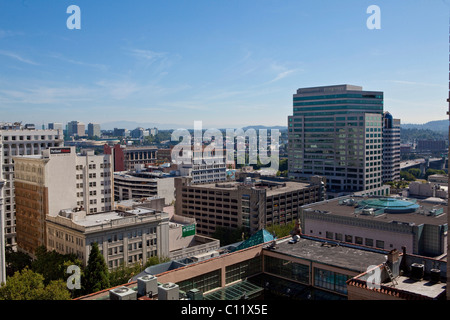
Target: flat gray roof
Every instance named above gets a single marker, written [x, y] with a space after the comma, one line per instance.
[341, 256]
[333, 207]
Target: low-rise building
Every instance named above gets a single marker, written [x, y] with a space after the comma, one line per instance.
[124, 237]
[379, 222]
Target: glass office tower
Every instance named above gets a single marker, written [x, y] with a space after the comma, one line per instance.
[336, 132]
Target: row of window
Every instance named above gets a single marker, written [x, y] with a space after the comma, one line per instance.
[356, 239]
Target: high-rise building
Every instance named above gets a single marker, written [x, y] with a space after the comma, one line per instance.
[94, 130]
[59, 179]
[17, 140]
[391, 148]
[336, 132]
[55, 126]
[75, 128]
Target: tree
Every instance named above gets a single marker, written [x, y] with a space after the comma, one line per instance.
[407, 176]
[123, 273]
[96, 275]
[16, 261]
[281, 230]
[415, 172]
[29, 285]
[53, 265]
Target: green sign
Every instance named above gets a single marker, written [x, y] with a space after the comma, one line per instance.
[188, 230]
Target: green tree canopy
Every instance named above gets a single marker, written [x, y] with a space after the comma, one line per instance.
[407, 176]
[29, 285]
[16, 261]
[53, 265]
[281, 230]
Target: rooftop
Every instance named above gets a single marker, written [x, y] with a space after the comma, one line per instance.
[411, 211]
[272, 187]
[355, 258]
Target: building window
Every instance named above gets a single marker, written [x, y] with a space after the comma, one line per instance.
[380, 244]
[243, 270]
[330, 280]
[287, 269]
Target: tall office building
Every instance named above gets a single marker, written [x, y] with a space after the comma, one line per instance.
[59, 179]
[55, 126]
[17, 139]
[75, 128]
[94, 130]
[336, 132]
[391, 148]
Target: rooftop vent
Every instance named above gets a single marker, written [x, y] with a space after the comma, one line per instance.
[417, 271]
[169, 291]
[147, 285]
[122, 293]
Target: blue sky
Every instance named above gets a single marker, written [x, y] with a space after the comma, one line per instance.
[228, 63]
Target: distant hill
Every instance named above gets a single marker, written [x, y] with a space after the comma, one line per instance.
[130, 125]
[436, 125]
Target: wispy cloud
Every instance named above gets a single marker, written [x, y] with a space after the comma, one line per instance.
[17, 57]
[9, 33]
[160, 61]
[46, 95]
[80, 63]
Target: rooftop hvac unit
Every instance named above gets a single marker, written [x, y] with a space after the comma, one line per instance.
[417, 271]
[147, 285]
[435, 275]
[194, 294]
[122, 293]
[169, 291]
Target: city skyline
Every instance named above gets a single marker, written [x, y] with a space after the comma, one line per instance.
[228, 64]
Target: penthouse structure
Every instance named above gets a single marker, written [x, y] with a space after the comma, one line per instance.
[249, 204]
[55, 180]
[336, 132]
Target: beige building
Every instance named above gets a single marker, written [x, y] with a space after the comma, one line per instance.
[59, 179]
[18, 139]
[124, 237]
